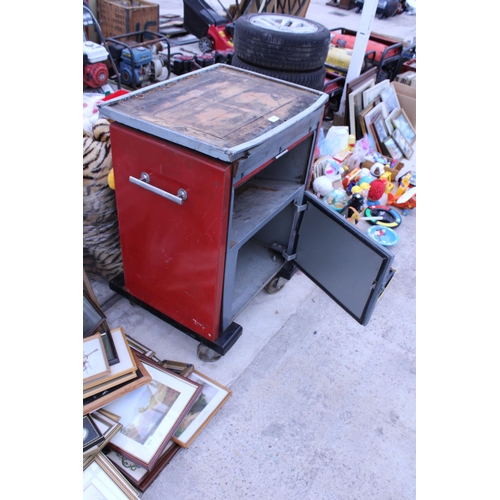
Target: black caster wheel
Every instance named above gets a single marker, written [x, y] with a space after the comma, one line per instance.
[206, 354]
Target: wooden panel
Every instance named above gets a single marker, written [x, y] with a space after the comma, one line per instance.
[222, 107]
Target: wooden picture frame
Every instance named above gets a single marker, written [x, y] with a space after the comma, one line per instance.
[362, 115]
[97, 401]
[211, 399]
[93, 317]
[106, 426]
[388, 121]
[138, 476]
[95, 361]
[151, 414]
[380, 128]
[353, 85]
[392, 149]
[369, 95]
[390, 97]
[403, 144]
[355, 99]
[92, 436]
[101, 479]
[400, 121]
[376, 111]
[119, 372]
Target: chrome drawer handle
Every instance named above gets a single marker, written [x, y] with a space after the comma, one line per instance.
[144, 183]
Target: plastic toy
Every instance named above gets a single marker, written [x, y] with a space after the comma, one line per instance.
[389, 216]
[405, 196]
[376, 190]
[336, 199]
[385, 236]
[322, 185]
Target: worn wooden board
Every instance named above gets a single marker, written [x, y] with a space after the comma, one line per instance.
[223, 107]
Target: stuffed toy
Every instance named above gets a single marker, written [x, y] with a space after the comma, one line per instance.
[102, 258]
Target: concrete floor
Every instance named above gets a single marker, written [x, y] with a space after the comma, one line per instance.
[322, 408]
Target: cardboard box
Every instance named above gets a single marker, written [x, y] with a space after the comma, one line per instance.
[118, 17]
[407, 97]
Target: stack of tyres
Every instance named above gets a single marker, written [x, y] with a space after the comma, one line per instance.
[282, 46]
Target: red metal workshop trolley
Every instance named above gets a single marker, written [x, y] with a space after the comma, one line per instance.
[211, 170]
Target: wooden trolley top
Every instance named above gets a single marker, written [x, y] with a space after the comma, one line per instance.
[219, 110]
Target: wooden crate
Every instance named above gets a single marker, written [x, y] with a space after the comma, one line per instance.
[118, 17]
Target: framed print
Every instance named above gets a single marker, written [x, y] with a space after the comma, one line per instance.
[97, 401]
[138, 476]
[95, 361]
[92, 436]
[93, 317]
[102, 480]
[151, 414]
[356, 106]
[392, 149]
[403, 144]
[390, 98]
[183, 369]
[369, 95]
[372, 114]
[380, 128]
[378, 144]
[401, 121]
[362, 115]
[388, 121]
[126, 365]
[106, 427]
[354, 85]
[213, 396]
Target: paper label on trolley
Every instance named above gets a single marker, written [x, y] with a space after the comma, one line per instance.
[273, 119]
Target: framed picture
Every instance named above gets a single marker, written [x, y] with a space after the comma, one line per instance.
[213, 396]
[372, 114]
[138, 476]
[380, 128]
[392, 149]
[97, 401]
[101, 480]
[390, 98]
[92, 436]
[93, 317]
[118, 372]
[369, 95]
[354, 85]
[362, 115]
[401, 121]
[95, 361]
[356, 106]
[388, 121]
[403, 144]
[183, 369]
[151, 414]
[106, 426]
[378, 144]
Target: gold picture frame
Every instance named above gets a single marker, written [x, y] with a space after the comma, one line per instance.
[101, 479]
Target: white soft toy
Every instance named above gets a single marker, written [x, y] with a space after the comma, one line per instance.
[322, 185]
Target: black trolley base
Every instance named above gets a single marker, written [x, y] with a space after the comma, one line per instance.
[221, 346]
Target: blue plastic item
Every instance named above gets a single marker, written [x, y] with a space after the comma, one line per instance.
[383, 235]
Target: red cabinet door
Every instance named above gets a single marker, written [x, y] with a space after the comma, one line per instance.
[173, 255]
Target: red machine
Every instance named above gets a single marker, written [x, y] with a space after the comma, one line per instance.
[95, 71]
[213, 30]
[382, 52]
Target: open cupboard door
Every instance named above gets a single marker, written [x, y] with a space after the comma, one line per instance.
[345, 263]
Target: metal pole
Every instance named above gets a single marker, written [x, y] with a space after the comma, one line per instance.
[359, 49]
